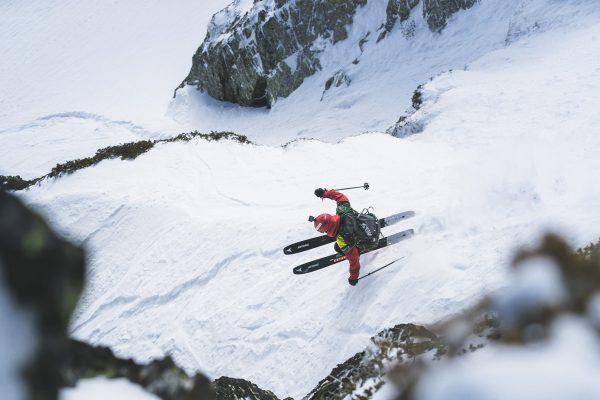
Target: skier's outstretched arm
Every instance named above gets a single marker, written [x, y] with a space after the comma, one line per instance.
[333, 195]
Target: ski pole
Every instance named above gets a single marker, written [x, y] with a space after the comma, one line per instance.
[365, 186]
[379, 269]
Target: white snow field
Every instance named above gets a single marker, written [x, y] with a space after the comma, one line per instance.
[185, 241]
[102, 388]
[120, 60]
[382, 82]
[78, 75]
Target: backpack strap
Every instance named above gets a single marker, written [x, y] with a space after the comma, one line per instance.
[344, 208]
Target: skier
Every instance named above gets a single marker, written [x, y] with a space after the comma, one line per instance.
[341, 227]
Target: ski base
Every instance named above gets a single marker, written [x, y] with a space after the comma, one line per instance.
[322, 240]
[321, 263]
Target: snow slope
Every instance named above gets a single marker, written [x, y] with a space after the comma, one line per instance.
[102, 388]
[79, 75]
[185, 241]
[382, 82]
[387, 73]
[120, 60]
[76, 76]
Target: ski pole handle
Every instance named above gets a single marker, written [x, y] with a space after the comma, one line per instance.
[364, 186]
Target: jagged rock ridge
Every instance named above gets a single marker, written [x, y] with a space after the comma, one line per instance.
[267, 52]
[254, 57]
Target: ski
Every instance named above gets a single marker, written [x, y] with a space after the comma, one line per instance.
[308, 244]
[322, 240]
[336, 258]
[392, 219]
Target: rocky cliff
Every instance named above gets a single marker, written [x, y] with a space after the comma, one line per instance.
[252, 57]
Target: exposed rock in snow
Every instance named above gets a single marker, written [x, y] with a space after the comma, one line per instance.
[400, 354]
[241, 389]
[398, 10]
[338, 79]
[254, 57]
[160, 377]
[437, 12]
[364, 373]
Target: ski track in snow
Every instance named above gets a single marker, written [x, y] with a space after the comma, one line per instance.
[185, 242]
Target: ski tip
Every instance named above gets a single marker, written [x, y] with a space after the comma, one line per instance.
[287, 250]
[407, 214]
[300, 270]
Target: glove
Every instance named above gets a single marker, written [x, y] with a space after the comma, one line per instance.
[352, 282]
[319, 192]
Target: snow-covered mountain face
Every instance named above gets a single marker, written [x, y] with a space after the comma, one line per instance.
[76, 76]
[185, 241]
[254, 57]
[365, 82]
[267, 52]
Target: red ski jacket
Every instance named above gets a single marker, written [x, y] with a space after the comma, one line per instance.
[352, 253]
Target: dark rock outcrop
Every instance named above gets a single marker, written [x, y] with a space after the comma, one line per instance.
[252, 58]
[402, 343]
[160, 377]
[397, 10]
[267, 52]
[241, 389]
[437, 12]
[407, 125]
[400, 354]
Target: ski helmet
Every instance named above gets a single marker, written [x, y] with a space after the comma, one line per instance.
[327, 224]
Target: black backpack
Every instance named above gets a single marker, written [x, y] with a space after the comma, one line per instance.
[366, 230]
